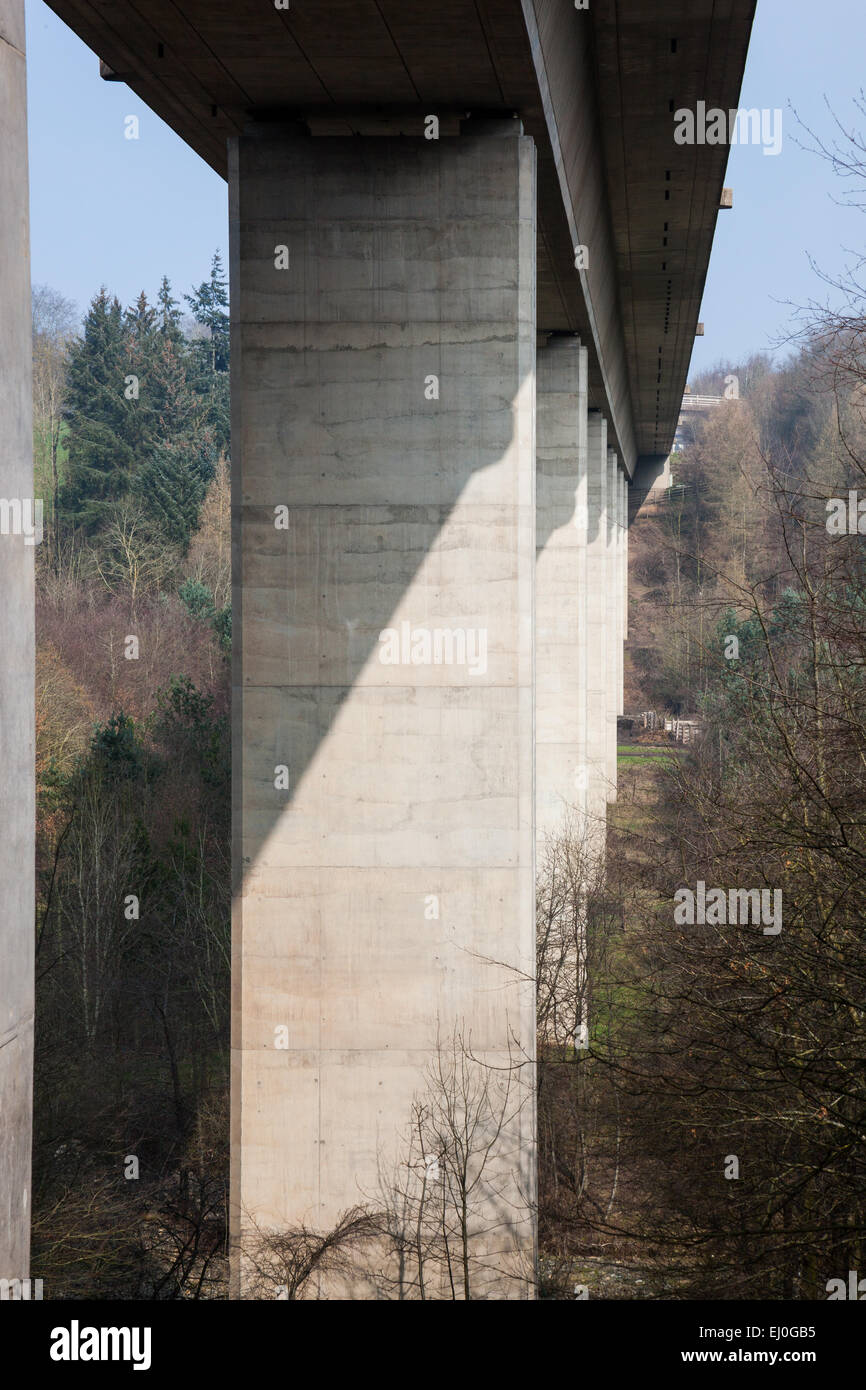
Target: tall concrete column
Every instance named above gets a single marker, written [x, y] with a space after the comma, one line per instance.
[17, 797]
[625, 522]
[620, 616]
[383, 358]
[598, 636]
[623, 565]
[613, 600]
[560, 600]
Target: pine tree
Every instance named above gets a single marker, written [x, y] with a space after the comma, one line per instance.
[178, 411]
[169, 409]
[102, 424]
[209, 304]
[147, 411]
[168, 313]
[140, 318]
[140, 322]
[210, 372]
[172, 487]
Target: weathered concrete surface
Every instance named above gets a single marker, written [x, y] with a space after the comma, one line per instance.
[613, 610]
[561, 587]
[373, 893]
[625, 521]
[17, 809]
[623, 582]
[617, 582]
[599, 635]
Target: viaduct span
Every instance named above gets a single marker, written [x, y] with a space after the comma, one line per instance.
[454, 341]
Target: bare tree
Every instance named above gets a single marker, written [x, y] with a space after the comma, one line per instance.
[209, 557]
[131, 560]
[54, 324]
[302, 1263]
[455, 1213]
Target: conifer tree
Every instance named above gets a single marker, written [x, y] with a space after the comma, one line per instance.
[102, 426]
[168, 313]
[172, 488]
[209, 305]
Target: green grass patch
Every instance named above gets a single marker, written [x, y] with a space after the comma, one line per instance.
[643, 750]
[658, 759]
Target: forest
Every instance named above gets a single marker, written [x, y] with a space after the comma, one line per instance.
[133, 765]
[710, 1141]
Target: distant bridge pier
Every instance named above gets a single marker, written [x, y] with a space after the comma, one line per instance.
[562, 787]
[624, 519]
[599, 634]
[613, 605]
[581, 580]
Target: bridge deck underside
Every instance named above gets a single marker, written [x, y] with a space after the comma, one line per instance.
[595, 89]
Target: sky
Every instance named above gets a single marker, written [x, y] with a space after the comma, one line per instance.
[104, 209]
[119, 212]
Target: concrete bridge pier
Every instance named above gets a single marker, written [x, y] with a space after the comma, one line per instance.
[383, 361]
[623, 581]
[17, 797]
[599, 636]
[625, 523]
[613, 604]
[561, 589]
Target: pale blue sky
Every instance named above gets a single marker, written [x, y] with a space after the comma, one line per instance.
[104, 209]
[121, 212]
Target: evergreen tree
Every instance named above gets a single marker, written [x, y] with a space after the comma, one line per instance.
[218, 418]
[172, 488]
[102, 425]
[140, 322]
[148, 411]
[170, 410]
[116, 748]
[210, 373]
[168, 314]
[178, 411]
[140, 319]
[209, 304]
[197, 599]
